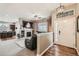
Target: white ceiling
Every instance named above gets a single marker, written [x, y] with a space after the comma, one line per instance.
[12, 11]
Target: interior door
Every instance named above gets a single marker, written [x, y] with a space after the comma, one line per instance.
[65, 32]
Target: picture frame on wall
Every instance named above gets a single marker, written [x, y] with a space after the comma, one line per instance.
[78, 24]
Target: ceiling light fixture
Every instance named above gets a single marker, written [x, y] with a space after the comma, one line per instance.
[36, 17]
[60, 8]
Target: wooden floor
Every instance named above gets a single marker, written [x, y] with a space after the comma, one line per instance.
[59, 50]
[55, 50]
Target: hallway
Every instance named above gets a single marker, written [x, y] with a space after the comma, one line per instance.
[59, 50]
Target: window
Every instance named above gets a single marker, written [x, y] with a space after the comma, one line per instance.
[3, 27]
[42, 27]
[64, 14]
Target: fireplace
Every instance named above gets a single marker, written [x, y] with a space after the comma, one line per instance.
[28, 34]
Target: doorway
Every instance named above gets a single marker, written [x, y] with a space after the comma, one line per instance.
[64, 32]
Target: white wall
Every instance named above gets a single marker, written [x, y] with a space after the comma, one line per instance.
[17, 25]
[77, 11]
[44, 40]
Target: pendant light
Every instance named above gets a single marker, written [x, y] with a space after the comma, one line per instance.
[60, 8]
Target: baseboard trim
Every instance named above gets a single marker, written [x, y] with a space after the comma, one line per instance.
[77, 51]
[46, 50]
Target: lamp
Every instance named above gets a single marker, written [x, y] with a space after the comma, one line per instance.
[60, 8]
